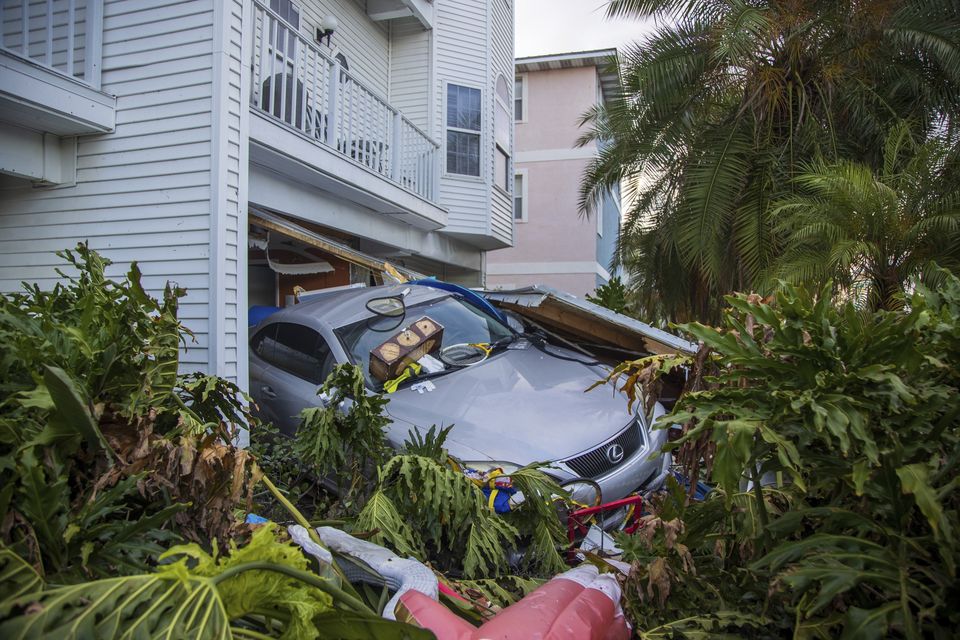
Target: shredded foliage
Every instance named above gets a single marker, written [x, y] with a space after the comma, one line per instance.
[346, 434]
[501, 591]
[106, 453]
[832, 436]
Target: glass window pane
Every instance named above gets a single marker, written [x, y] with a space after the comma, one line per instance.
[518, 197]
[463, 153]
[453, 95]
[501, 169]
[300, 351]
[262, 344]
[503, 89]
[501, 126]
[518, 99]
[463, 107]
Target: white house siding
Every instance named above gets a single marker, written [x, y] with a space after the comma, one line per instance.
[410, 70]
[228, 246]
[365, 43]
[460, 50]
[501, 63]
[144, 192]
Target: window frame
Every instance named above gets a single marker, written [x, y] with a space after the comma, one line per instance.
[259, 337]
[524, 202]
[522, 79]
[498, 148]
[480, 177]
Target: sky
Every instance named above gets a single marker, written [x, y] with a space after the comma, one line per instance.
[561, 26]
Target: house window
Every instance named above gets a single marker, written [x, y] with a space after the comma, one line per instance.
[463, 130]
[285, 34]
[518, 104]
[502, 169]
[501, 135]
[520, 196]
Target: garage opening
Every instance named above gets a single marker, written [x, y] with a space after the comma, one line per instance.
[288, 260]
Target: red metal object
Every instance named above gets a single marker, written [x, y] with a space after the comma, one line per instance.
[578, 522]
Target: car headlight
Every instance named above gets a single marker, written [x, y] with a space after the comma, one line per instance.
[585, 492]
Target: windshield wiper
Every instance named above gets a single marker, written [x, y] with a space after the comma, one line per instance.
[428, 376]
[503, 343]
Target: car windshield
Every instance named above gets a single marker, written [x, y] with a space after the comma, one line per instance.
[462, 323]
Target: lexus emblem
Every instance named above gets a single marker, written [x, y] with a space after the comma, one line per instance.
[615, 453]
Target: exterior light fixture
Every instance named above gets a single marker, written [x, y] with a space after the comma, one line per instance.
[327, 26]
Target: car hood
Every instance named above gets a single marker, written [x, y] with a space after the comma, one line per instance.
[519, 406]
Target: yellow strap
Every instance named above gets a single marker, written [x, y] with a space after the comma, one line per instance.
[490, 500]
[412, 369]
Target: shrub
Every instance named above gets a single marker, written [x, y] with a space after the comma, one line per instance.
[833, 436]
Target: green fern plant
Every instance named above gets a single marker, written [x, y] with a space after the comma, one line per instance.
[424, 508]
[346, 436]
[429, 444]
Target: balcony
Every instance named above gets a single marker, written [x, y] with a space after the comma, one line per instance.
[50, 56]
[63, 36]
[362, 148]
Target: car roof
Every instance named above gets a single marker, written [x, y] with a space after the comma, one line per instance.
[346, 306]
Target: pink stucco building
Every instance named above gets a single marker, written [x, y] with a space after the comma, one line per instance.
[553, 243]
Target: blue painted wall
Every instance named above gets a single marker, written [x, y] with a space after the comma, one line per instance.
[607, 243]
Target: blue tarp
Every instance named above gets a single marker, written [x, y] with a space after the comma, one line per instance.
[258, 312]
[470, 296]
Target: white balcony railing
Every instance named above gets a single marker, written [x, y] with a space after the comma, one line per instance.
[61, 35]
[296, 83]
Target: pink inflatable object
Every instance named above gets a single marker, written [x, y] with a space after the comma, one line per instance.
[579, 604]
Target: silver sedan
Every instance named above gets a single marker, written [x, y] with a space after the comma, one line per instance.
[521, 401]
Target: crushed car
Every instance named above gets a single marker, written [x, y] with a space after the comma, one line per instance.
[445, 357]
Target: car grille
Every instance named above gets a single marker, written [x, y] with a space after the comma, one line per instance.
[596, 463]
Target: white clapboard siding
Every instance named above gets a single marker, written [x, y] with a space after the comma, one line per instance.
[460, 43]
[501, 63]
[164, 188]
[364, 43]
[410, 70]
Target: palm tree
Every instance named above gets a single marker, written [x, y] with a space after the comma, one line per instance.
[720, 109]
[874, 233]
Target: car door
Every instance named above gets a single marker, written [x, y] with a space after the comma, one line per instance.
[301, 361]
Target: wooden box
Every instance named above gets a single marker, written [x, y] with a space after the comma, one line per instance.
[407, 345]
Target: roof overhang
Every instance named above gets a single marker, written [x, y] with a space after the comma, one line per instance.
[566, 313]
[602, 59]
[422, 10]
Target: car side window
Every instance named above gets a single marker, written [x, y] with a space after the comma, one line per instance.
[301, 351]
[263, 342]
